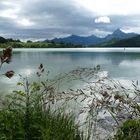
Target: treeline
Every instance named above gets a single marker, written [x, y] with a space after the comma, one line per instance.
[130, 42]
[29, 44]
[3, 40]
[39, 45]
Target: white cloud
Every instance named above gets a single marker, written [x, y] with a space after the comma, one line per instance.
[9, 3]
[104, 19]
[132, 29]
[45, 18]
[100, 33]
[10, 13]
[111, 7]
[9, 10]
[25, 22]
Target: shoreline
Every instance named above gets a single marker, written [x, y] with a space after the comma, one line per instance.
[126, 50]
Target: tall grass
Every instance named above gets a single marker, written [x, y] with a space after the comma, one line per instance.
[24, 116]
[29, 114]
[105, 103]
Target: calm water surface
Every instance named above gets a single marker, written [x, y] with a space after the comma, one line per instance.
[120, 64]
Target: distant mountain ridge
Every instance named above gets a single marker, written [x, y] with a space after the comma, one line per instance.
[117, 39]
[74, 39]
[118, 34]
[93, 40]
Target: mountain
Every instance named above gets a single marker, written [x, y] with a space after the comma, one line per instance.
[93, 40]
[74, 39]
[130, 42]
[118, 34]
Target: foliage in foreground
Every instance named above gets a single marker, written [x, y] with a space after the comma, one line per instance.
[104, 103]
[43, 126]
[25, 115]
[130, 130]
[5, 57]
[28, 114]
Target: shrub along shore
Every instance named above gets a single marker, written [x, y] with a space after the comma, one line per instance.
[39, 45]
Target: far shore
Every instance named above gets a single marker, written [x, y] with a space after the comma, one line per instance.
[135, 50]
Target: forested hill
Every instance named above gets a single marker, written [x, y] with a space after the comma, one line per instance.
[131, 42]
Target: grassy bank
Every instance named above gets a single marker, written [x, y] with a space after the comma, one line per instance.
[38, 45]
[31, 114]
[104, 108]
[25, 115]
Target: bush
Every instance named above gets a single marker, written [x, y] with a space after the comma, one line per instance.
[40, 125]
[25, 115]
[130, 130]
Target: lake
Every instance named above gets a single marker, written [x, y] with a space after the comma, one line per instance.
[120, 64]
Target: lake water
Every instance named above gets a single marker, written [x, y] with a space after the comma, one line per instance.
[120, 64]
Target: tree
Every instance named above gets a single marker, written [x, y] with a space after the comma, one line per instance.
[3, 40]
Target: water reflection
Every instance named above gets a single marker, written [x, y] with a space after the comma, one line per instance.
[119, 65]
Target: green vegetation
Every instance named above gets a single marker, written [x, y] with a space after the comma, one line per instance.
[130, 130]
[131, 42]
[28, 115]
[29, 44]
[2, 40]
[38, 110]
[114, 42]
[23, 116]
[108, 43]
[38, 45]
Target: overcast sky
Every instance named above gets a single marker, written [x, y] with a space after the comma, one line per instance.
[41, 19]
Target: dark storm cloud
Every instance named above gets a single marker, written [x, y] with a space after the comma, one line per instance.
[57, 13]
[53, 18]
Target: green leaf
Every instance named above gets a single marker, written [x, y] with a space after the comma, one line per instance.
[20, 84]
[19, 92]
